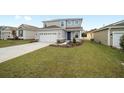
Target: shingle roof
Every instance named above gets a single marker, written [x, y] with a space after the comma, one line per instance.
[64, 19]
[52, 26]
[28, 27]
[7, 28]
[119, 23]
[73, 29]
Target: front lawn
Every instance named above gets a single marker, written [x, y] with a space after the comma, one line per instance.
[87, 60]
[5, 43]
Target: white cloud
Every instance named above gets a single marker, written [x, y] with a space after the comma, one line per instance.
[27, 18]
[17, 17]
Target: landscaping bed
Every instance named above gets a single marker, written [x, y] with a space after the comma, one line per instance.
[68, 44]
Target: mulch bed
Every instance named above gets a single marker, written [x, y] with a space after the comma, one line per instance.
[69, 45]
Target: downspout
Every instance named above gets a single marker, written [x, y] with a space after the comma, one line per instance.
[80, 34]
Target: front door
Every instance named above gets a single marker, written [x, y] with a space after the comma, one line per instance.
[68, 35]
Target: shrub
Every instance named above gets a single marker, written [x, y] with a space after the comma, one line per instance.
[76, 36]
[74, 40]
[84, 35]
[122, 42]
[16, 38]
[14, 33]
[92, 39]
[99, 42]
[58, 41]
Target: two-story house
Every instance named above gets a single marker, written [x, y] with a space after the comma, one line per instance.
[61, 29]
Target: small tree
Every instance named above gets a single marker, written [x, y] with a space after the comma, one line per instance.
[74, 40]
[76, 36]
[84, 35]
[14, 34]
[122, 42]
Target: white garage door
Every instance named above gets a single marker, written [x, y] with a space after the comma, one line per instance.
[48, 37]
[116, 39]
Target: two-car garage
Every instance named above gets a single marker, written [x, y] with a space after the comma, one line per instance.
[48, 36]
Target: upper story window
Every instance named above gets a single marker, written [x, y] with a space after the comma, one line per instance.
[73, 22]
[76, 22]
[62, 23]
[69, 22]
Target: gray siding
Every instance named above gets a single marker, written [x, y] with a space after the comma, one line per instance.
[101, 36]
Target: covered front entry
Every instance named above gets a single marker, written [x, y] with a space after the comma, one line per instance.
[73, 34]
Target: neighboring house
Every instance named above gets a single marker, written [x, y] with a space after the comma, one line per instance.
[0, 31]
[0, 34]
[110, 34]
[61, 29]
[90, 34]
[6, 32]
[25, 31]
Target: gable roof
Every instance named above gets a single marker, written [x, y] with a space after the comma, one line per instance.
[113, 25]
[28, 27]
[10, 28]
[119, 23]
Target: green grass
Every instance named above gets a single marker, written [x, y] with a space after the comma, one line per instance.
[88, 60]
[5, 43]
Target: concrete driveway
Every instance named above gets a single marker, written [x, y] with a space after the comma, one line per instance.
[8, 53]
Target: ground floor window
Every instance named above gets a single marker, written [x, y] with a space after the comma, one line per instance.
[76, 35]
[20, 33]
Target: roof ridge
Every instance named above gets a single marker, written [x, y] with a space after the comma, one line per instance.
[63, 19]
[29, 25]
[112, 24]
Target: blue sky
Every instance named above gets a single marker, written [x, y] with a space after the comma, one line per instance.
[89, 21]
